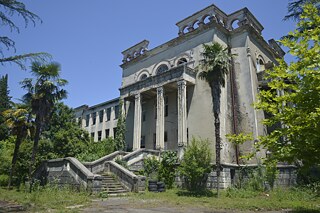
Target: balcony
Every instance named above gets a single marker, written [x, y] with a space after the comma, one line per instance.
[182, 72]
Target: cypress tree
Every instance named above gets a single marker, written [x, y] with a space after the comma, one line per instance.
[4, 105]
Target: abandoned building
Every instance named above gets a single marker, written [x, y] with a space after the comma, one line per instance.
[165, 103]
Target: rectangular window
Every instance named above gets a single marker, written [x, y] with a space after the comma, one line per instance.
[187, 134]
[143, 142]
[114, 132]
[93, 115]
[154, 141]
[101, 116]
[166, 106]
[99, 135]
[143, 112]
[116, 112]
[155, 110]
[87, 119]
[107, 133]
[92, 136]
[108, 114]
[165, 136]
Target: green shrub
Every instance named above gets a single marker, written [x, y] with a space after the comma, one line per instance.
[4, 180]
[167, 168]
[150, 167]
[96, 150]
[195, 165]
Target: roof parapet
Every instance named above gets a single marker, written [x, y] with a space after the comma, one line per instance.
[135, 51]
[189, 23]
[243, 16]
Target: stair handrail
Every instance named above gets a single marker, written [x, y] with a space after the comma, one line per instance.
[80, 174]
[98, 165]
[137, 152]
[133, 182]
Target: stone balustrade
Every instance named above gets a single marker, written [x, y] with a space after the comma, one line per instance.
[134, 183]
[135, 159]
[68, 171]
[98, 166]
[172, 75]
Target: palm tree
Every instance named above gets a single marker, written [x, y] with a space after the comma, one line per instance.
[17, 119]
[215, 66]
[42, 93]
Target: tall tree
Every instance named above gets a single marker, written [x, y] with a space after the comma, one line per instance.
[4, 105]
[8, 10]
[18, 120]
[293, 99]
[295, 8]
[67, 138]
[215, 66]
[121, 129]
[42, 94]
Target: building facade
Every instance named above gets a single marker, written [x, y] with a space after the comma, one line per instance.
[166, 104]
[99, 120]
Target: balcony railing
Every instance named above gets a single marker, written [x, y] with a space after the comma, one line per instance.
[174, 74]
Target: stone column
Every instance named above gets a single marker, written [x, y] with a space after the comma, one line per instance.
[160, 119]
[253, 93]
[137, 123]
[182, 117]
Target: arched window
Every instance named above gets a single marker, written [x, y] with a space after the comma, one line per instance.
[181, 61]
[162, 68]
[143, 76]
[260, 65]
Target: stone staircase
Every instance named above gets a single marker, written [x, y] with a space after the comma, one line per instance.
[112, 186]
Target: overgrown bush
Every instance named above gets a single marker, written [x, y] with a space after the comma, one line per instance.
[167, 168]
[96, 150]
[151, 167]
[195, 165]
[6, 151]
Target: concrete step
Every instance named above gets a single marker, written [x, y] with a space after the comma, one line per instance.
[112, 186]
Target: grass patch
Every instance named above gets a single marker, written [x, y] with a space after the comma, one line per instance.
[299, 200]
[46, 198]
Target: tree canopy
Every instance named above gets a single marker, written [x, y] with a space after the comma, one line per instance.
[293, 97]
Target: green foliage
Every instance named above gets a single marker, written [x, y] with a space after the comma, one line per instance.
[167, 168]
[151, 167]
[195, 165]
[96, 150]
[4, 105]
[120, 143]
[295, 8]
[215, 66]
[6, 152]
[63, 135]
[297, 108]
[122, 163]
[43, 92]
[234, 200]
[48, 198]
[239, 139]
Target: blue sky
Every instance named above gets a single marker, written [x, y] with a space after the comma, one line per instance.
[87, 37]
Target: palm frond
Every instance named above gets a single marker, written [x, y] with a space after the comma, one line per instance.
[20, 60]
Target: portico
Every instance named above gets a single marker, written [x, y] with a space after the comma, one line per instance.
[173, 81]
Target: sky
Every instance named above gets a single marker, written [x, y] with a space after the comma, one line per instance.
[87, 37]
